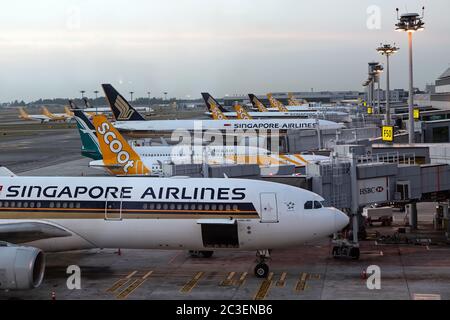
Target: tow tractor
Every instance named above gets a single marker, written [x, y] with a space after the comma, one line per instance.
[343, 248]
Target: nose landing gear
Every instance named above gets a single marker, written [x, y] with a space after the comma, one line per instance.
[262, 269]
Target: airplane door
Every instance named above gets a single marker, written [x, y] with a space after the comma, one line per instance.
[113, 208]
[269, 209]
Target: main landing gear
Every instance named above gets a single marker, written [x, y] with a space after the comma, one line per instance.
[262, 269]
[202, 253]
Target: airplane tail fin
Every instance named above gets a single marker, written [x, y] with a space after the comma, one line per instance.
[292, 101]
[23, 113]
[46, 112]
[276, 104]
[120, 107]
[68, 112]
[257, 103]
[242, 113]
[118, 156]
[214, 107]
[89, 143]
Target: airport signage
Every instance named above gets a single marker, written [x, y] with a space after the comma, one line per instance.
[416, 114]
[369, 110]
[372, 190]
[387, 133]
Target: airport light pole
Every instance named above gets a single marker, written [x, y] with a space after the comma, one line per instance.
[96, 94]
[165, 96]
[378, 69]
[148, 92]
[82, 93]
[387, 50]
[410, 23]
[131, 96]
[372, 75]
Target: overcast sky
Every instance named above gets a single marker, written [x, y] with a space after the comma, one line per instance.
[54, 48]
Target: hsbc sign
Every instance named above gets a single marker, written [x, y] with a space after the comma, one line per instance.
[372, 190]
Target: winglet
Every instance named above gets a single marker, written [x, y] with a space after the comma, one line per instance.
[120, 107]
[241, 112]
[276, 104]
[257, 103]
[214, 107]
[118, 155]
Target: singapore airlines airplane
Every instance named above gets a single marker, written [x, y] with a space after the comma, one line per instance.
[133, 124]
[39, 214]
[38, 117]
[102, 110]
[151, 158]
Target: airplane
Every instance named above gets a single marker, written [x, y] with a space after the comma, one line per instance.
[151, 158]
[101, 110]
[48, 214]
[56, 116]
[133, 124]
[38, 117]
[263, 112]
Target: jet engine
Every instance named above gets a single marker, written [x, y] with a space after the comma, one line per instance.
[20, 267]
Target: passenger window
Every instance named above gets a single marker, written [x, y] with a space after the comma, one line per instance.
[308, 205]
[317, 205]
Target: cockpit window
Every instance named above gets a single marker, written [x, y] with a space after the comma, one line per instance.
[308, 205]
[317, 205]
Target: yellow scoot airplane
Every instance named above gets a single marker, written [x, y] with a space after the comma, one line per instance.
[56, 116]
[37, 117]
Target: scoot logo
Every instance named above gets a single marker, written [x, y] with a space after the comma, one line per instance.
[241, 113]
[110, 138]
[276, 103]
[215, 109]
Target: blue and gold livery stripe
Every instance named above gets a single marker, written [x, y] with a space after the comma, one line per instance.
[47, 209]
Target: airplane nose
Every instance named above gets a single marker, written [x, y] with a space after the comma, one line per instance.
[341, 220]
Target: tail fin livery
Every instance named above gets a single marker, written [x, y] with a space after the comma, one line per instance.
[89, 143]
[47, 113]
[276, 104]
[257, 103]
[292, 101]
[242, 113]
[23, 113]
[120, 107]
[68, 112]
[118, 155]
[214, 107]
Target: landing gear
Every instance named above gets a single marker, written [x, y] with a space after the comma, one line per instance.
[207, 254]
[203, 254]
[262, 269]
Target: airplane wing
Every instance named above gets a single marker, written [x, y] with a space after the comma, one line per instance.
[22, 232]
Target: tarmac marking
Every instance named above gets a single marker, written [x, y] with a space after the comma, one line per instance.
[192, 283]
[264, 288]
[282, 281]
[133, 286]
[426, 296]
[242, 278]
[119, 283]
[301, 283]
[314, 276]
[228, 280]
